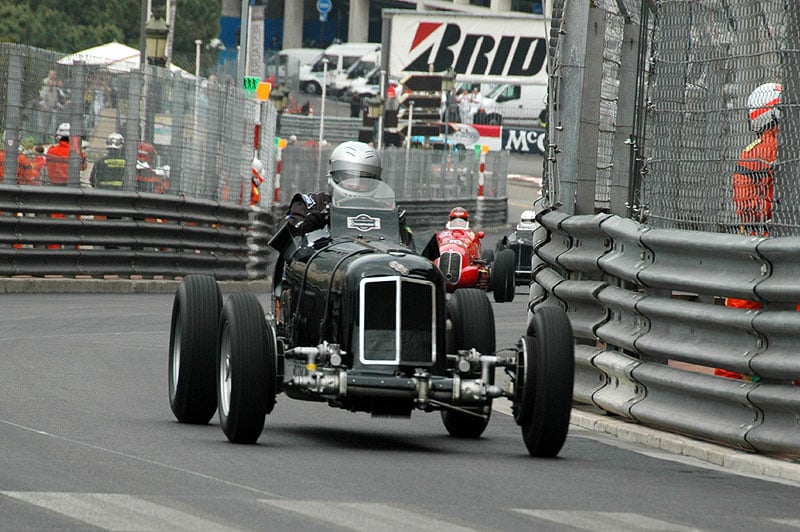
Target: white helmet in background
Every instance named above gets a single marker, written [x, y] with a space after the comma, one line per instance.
[527, 221]
[63, 130]
[258, 166]
[355, 166]
[763, 106]
[115, 141]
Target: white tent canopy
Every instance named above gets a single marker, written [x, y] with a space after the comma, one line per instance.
[115, 56]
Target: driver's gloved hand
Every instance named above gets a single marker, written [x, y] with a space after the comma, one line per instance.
[314, 220]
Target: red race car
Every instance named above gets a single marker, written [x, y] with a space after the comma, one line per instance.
[464, 265]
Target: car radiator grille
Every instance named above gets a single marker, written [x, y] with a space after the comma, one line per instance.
[450, 265]
[524, 254]
[397, 321]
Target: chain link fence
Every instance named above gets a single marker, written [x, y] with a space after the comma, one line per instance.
[414, 174]
[663, 117]
[201, 131]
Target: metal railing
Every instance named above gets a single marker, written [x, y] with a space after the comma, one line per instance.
[647, 309]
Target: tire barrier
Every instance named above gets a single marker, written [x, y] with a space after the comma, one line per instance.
[647, 309]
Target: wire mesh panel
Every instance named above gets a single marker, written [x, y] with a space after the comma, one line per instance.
[708, 58]
[174, 133]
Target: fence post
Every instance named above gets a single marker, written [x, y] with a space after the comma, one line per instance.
[279, 145]
[480, 155]
[16, 73]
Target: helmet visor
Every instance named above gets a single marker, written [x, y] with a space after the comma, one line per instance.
[354, 180]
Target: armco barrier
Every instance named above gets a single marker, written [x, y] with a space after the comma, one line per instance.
[647, 308]
[73, 231]
[70, 231]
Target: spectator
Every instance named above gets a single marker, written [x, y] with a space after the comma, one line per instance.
[39, 164]
[355, 106]
[24, 167]
[58, 157]
[475, 103]
[148, 176]
[462, 99]
[754, 179]
[98, 98]
[109, 170]
[48, 102]
[257, 177]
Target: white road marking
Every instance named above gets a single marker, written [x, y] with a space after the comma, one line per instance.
[605, 521]
[366, 517]
[115, 511]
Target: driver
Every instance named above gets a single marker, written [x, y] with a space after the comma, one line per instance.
[354, 167]
[459, 219]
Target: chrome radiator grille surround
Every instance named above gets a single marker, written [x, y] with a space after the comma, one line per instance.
[396, 321]
[450, 266]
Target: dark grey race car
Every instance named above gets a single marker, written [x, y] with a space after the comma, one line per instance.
[361, 322]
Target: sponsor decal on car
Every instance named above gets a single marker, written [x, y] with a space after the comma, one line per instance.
[363, 222]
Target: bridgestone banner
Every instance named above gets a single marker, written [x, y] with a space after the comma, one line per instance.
[480, 49]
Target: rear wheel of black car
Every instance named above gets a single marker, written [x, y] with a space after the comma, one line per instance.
[504, 276]
[472, 319]
[544, 382]
[246, 369]
[192, 349]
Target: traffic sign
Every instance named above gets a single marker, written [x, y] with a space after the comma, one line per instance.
[251, 83]
[263, 90]
[324, 6]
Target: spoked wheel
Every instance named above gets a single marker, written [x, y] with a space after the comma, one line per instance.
[504, 276]
[246, 368]
[472, 318]
[192, 349]
[544, 379]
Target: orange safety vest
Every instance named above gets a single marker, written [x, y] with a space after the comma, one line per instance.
[754, 179]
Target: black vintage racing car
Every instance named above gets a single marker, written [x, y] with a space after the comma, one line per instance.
[360, 321]
[521, 242]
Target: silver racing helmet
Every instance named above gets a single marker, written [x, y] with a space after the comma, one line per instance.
[355, 167]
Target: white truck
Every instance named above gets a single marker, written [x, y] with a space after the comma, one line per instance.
[339, 58]
[508, 52]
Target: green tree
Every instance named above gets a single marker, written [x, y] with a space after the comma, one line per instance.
[68, 27]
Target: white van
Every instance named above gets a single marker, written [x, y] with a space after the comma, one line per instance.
[360, 69]
[291, 59]
[340, 57]
[514, 102]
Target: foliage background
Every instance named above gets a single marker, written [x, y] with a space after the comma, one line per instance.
[68, 26]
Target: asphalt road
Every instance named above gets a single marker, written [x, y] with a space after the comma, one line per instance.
[89, 443]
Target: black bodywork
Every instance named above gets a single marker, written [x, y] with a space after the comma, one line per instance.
[357, 286]
[362, 322]
[520, 241]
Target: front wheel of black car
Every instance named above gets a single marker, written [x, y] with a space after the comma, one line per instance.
[504, 276]
[472, 319]
[192, 348]
[246, 369]
[544, 382]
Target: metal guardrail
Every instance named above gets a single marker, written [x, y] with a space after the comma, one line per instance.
[647, 310]
[335, 129]
[73, 231]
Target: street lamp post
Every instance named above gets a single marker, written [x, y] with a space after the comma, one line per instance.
[375, 112]
[448, 82]
[156, 32]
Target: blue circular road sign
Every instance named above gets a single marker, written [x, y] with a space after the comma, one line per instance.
[324, 6]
